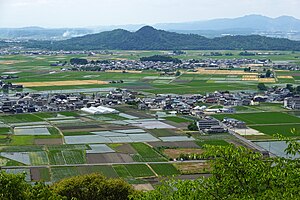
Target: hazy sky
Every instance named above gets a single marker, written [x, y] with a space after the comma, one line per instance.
[85, 13]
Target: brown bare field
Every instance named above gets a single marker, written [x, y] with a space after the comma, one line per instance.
[143, 187]
[35, 174]
[285, 77]
[224, 72]
[63, 83]
[126, 71]
[192, 168]
[175, 153]
[93, 158]
[125, 148]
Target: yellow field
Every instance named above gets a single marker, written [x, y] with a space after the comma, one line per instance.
[63, 83]
[126, 71]
[255, 78]
[254, 65]
[10, 62]
[267, 80]
[281, 70]
[221, 72]
[250, 78]
[285, 77]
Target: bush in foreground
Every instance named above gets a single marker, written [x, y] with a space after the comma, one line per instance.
[237, 173]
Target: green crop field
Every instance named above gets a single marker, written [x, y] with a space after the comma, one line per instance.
[74, 156]
[59, 173]
[139, 170]
[56, 158]
[163, 132]
[20, 118]
[66, 147]
[262, 118]
[77, 133]
[45, 115]
[44, 174]
[215, 142]
[122, 171]
[107, 171]
[280, 129]
[164, 169]
[146, 153]
[5, 131]
[39, 158]
[26, 148]
[21, 140]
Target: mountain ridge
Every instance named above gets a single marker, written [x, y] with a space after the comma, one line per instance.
[149, 38]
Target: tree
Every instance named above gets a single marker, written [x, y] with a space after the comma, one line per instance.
[247, 69]
[262, 87]
[298, 89]
[15, 187]
[193, 126]
[268, 73]
[78, 61]
[290, 87]
[177, 73]
[93, 186]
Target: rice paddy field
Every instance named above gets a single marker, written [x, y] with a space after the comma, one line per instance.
[52, 78]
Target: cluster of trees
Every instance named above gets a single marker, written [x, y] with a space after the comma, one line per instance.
[291, 88]
[160, 58]
[246, 53]
[86, 187]
[236, 173]
[193, 126]
[148, 38]
[78, 61]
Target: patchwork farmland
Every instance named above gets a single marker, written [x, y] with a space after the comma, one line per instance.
[81, 143]
[135, 144]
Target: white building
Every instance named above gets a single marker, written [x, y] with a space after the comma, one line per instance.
[99, 110]
[292, 103]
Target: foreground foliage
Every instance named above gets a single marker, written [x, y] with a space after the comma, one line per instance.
[238, 173]
[86, 187]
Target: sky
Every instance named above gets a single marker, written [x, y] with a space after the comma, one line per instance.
[92, 13]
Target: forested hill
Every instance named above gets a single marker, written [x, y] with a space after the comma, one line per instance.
[148, 38]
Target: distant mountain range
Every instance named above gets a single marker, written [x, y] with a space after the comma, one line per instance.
[249, 22]
[281, 27]
[39, 33]
[148, 38]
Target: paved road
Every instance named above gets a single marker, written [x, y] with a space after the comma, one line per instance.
[250, 144]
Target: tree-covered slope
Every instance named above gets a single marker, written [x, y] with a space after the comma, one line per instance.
[148, 38]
